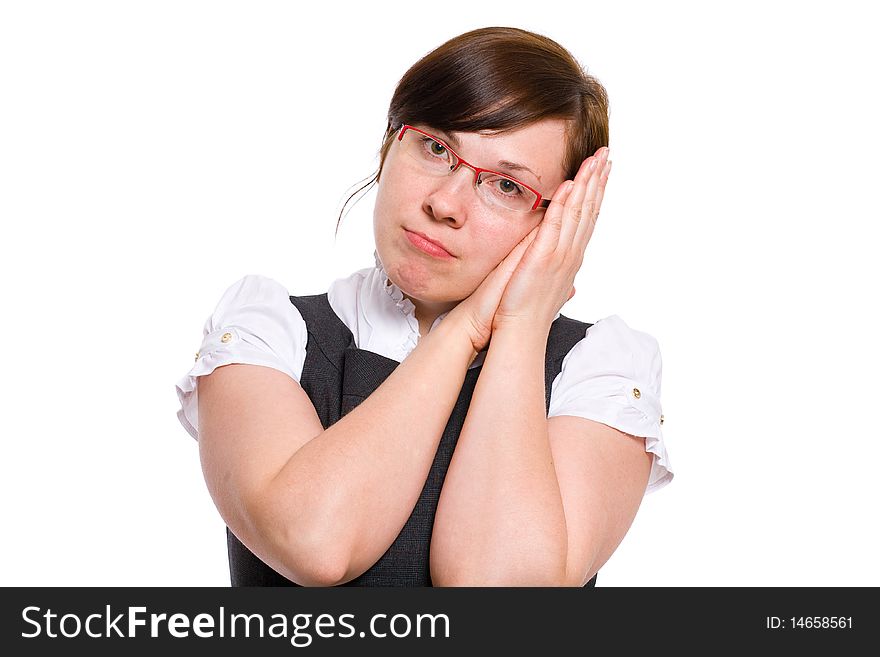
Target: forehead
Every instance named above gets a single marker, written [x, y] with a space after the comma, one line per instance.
[539, 147]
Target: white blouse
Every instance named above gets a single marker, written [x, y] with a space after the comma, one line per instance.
[612, 375]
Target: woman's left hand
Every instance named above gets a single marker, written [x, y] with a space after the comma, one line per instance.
[544, 279]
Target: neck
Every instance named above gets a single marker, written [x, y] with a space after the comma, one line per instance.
[427, 312]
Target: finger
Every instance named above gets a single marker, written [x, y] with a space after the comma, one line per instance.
[587, 210]
[552, 222]
[592, 206]
[574, 205]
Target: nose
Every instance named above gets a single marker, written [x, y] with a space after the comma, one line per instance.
[451, 196]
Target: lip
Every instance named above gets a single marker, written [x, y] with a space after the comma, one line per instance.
[427, 244]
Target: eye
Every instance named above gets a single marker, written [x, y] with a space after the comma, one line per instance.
[435, 150]
[507, 187]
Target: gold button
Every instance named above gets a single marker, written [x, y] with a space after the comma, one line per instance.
[197, 355]
[636, 393]
[661, 419]
[226, 337]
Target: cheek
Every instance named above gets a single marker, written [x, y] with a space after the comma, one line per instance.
[498, 239]
[395, 188]
[388, 199]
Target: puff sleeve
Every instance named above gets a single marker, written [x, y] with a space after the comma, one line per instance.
[612, 376]
[254, 323]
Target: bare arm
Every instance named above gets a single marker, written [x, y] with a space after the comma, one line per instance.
[529, 501]
[319, 506]
[500, 518]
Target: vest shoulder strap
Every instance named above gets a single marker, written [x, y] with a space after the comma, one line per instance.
[565, 333]
[333, 337]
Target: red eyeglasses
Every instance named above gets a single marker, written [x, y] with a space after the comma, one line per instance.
[435, 157]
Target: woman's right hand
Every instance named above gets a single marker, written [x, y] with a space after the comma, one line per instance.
[476, 312]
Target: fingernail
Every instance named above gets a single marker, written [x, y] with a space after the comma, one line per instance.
[593, 164]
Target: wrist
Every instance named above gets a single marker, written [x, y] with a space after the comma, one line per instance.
[524, 328]
[461, 322]
[525, 340]
[453, 330]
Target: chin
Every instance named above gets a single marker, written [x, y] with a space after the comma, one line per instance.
[418, 281]
[413, 277]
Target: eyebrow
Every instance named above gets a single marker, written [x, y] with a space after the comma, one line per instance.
[453, 141]
[513, 166]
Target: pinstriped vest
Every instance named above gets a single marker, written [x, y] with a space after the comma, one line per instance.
[337, 376]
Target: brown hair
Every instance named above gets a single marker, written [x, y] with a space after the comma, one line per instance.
[499, 79]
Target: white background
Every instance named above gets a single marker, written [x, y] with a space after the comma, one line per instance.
[152, 153]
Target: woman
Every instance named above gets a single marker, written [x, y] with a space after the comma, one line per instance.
[434, 420]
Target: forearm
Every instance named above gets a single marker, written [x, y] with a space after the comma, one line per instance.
[500, 518]
[352, 488]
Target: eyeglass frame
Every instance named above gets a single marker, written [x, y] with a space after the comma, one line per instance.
[540, 204]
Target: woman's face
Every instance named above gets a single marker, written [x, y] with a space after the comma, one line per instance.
[449, 210]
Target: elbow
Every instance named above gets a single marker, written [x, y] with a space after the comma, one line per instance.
[317, 572]
[535, 563]
[295, 535]
[301, 552]
[309, 559]
[531, 579]
[580, 574]
[533, 574]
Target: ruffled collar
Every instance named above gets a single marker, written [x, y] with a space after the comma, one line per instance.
[400, 301]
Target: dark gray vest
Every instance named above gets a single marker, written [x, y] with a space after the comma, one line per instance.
[337, 376]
